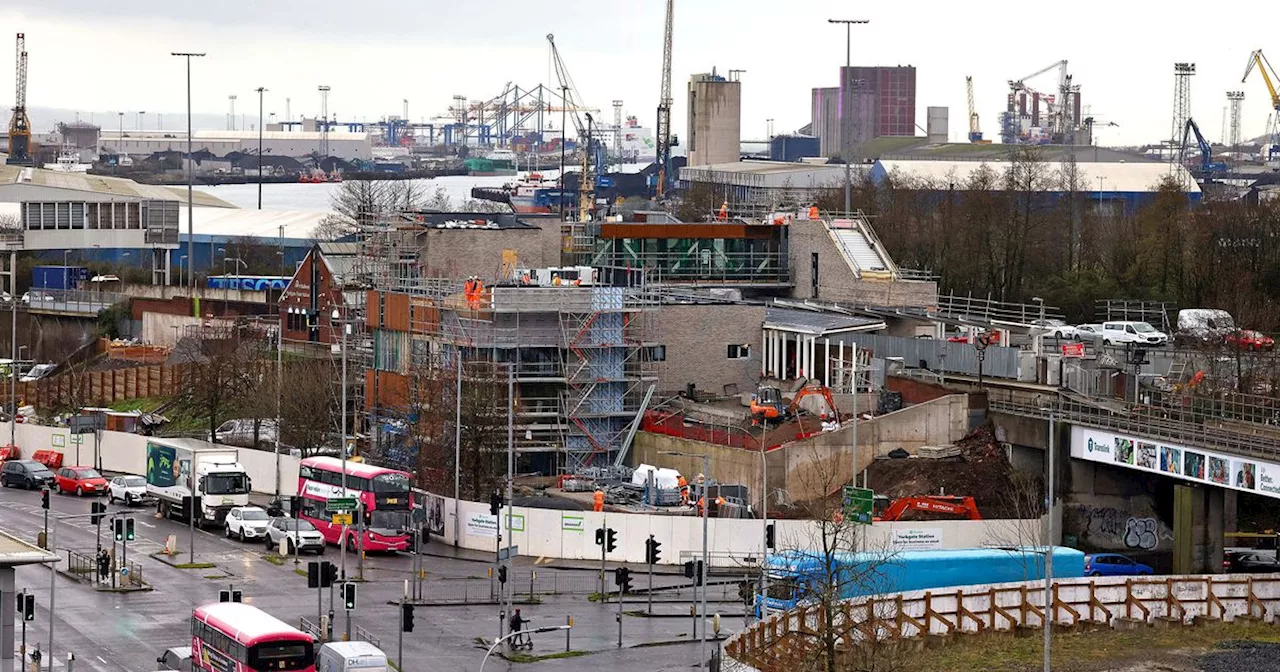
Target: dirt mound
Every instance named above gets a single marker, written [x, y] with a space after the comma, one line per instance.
[980, 471]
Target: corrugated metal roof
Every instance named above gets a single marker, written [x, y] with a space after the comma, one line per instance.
[100, 184]
[817, 323]
[770, 174]
[236, 222]
[1115, 177]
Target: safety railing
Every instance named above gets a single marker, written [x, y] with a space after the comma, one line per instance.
[84, 568]
[71, 300]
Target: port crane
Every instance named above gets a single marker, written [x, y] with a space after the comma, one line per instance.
[20, 124]
[569, 91]
[1207, 165]
[975, 130]
[1059, 108]
[1258, 60]
[665, 139]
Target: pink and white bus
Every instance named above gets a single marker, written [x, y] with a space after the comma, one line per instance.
[383, 493]
[235, 637]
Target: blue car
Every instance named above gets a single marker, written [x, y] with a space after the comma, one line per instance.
[1114, 564]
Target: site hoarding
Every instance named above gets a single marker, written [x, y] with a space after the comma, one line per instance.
[1197, 465]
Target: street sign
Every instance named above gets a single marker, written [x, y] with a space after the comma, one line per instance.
[507, 552]
[334, 504]
[77, 439]
[85, 424]
[857, 504]
[1073, 350]
[342, 519]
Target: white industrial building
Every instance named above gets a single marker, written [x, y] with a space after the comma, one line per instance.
[769, 182]
[344, 145]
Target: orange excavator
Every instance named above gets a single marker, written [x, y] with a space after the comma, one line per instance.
[768, 405]
[960, 507]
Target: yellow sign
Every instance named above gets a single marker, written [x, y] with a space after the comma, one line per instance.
[341, 519]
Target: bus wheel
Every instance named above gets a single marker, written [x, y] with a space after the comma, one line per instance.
[351, 543]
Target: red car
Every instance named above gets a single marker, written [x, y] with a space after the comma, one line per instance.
[1248, 339]
[80, 480]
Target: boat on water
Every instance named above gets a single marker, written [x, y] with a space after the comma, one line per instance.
[536, 194]
[68, 161]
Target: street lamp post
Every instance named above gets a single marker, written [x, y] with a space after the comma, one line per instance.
[191, 233]
[706, 504]
[1048, 543]
[344, 543]
[844, 139]
[261, 90]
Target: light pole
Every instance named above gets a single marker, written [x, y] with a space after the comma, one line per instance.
[261, 90]
[191, 232]
[706, 504]
[564, 137]
[181, 264]
[336, 320]
[844, 139]
[764, 513]
[1048, 544]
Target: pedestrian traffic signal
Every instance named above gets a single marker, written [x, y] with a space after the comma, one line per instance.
[328, 574]
[44, 498]
[688, 569]
[128, 529]
[700, 573]
[599, 536]
[97, 509]
[230, 596]
[117, 526]
[349, 596]
[28, 606]
[611, 540]
[406, 617]
[502, 574]
[622, 576]
[313, 574]
[651, 552]
[768, 536]
[495, 503]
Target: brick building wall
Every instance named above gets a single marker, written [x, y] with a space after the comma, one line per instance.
[837, 281]
[464, 252]
[697, 339]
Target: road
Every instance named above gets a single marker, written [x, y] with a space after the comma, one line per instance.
[140, 625]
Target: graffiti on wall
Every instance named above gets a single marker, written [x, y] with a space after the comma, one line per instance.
[1109, 528]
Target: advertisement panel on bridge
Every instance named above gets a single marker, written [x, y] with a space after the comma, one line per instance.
[1191, 464]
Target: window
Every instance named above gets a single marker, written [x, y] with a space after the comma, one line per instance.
[305, 472]
[739, 351]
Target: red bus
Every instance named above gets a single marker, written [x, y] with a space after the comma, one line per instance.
[235, 637]
[383, 493]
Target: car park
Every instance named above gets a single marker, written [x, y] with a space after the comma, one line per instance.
[128, 489]
[1137, 333]
[80, 480]
[1114, 564]
[247, 523]
[27, 474]
[298, 534]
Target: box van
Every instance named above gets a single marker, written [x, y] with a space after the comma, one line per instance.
[1204, 324]
[1140, 333]
[344, 656]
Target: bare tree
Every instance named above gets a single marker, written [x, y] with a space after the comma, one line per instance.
[221, 368]
[307, 407]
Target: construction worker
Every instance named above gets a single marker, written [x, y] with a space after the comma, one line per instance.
[598, 501]
[724, 212]
[813, 211]
[477, 294]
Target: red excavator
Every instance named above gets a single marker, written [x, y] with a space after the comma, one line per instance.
[960, 507]
[768, 405]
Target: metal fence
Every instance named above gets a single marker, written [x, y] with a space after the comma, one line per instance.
[527, 584]
[85, 569]
[939, 355]
[87, 302]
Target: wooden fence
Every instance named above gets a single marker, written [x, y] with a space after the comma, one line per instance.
[784, 640]
[99, 388]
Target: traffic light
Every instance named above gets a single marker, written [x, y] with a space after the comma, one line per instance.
[349, 596]
[295, 505]
[313, 574]
[128, 529]
[495, 503]
[622, 576]
[768, 536]
[230, 596]
[44, 498]
[611, 540]
[117, 526]
[97, 509]
[406, 617]
[651, 552]
[502, 574]
[28, 605]
[699, 573]
[328, 574]
[689, 568]
[599, 536]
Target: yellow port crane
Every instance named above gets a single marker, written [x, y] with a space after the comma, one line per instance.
[1257, 59]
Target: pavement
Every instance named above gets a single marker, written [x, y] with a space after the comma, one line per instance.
[138, 626]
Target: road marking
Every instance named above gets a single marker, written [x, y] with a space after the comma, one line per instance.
[145, 524]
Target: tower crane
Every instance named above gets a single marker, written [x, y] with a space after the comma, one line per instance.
[1270, 79]
[569, 91]
[19, 124]
[975, 130]
[665, 139]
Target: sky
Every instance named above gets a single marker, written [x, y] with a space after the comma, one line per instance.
[101, 57]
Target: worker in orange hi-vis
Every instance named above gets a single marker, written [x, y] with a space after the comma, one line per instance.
[477, 294]
[724, 212]
[813, 211]
[598, 501]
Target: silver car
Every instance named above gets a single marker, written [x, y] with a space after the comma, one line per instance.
[297, 534]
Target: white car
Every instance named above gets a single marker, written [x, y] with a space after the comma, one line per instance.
[247, 523]
[1139, 333]
[1088, 331]
[239, 432]
[1055, 328]
[37, 372]
[128, 489]
[298, 535]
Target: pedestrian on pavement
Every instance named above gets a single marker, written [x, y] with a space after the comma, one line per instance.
[104, 565]
[35, 658]
[521, 638]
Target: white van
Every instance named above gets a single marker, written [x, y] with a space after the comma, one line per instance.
[344, 656]
[1141, 333]
[1204, 324]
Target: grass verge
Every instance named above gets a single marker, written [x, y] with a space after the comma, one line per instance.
[517, 657]
[195, 565]
[275, 559]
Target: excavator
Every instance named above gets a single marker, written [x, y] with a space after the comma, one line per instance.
[960, 507]
[767, 405]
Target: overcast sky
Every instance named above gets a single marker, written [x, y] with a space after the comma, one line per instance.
[101, 55]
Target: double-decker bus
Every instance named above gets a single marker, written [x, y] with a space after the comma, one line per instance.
[235, 637]
[384, 495]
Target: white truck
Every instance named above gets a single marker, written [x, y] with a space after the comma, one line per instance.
[175, 467]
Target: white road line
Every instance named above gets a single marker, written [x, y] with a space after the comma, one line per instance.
[145, 524]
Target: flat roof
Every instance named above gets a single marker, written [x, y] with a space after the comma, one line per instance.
[817, 323]
[1115, 177]
[14, 552]
[101, 184]
[249, 223]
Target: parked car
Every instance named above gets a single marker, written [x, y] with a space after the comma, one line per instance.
[128, 489]
[1088, 332]
[1139, 333]
[1205, 325]
[239, 432]
[1114, 564]
[1055, 328]
[27, 474]
[176, 658]
[80, 480]
[37, 372]
[247, 522]
[299, 534]
[1248, 339]
[1249, 562]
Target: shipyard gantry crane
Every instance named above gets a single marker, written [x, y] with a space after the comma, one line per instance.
[665, 139]
[1269, 77]
[19, 124]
